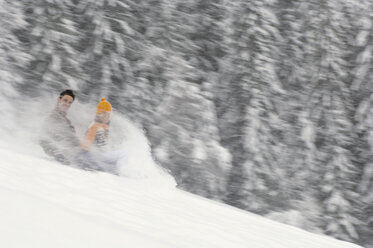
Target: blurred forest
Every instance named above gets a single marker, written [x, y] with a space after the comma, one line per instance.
[266, 105]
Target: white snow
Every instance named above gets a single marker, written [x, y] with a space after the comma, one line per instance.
[45, 204]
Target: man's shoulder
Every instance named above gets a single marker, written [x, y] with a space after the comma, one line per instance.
[51, 117]
[56, 118]
[56, 115]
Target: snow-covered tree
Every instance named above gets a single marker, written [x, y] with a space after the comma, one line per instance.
[142, 95]
[50, 38]
[364, 117]
[339, 195]
[298, 131]
[362, 95]
[207, 37]
[188, 140]
[330, 109]
[109, 44]
[12, 57]
[194, 30]
[256, 147]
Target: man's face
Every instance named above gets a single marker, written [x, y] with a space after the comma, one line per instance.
[64, 103]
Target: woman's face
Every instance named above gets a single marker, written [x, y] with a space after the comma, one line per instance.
[105, 117]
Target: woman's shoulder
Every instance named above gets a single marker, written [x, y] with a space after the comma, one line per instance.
[97, 125]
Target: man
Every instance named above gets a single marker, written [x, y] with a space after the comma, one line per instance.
[58, 138]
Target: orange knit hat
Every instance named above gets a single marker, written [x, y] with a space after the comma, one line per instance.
[103, 106]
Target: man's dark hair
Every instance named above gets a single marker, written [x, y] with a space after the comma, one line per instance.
[67, 92]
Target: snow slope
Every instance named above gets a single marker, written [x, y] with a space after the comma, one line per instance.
[45, 204]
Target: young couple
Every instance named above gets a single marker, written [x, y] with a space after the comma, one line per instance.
[59, 140]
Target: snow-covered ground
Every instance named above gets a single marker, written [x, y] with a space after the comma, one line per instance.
[44, 204]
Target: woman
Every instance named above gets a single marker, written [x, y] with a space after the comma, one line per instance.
[97, 135]
[95, 153]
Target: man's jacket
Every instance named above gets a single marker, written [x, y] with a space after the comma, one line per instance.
[58, 138]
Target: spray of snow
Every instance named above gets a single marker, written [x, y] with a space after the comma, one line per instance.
[24, 126]
[140, 164]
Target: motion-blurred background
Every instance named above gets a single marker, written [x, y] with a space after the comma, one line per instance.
[266, 105]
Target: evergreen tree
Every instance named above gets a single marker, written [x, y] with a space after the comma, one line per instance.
[110, 43]
[330, 110]
[188, 141]
[298, 132]
[364, 117]
[194, 30]
[207, 36]
[144, 93]
[362, 95]
[12, 57]
[255, 182]
[49, 39]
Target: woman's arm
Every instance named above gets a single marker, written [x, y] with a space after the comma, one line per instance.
[90, 136]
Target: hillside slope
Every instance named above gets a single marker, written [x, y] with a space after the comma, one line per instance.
[44, 204]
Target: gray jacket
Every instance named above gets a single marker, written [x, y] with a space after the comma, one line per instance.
[58, 138]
